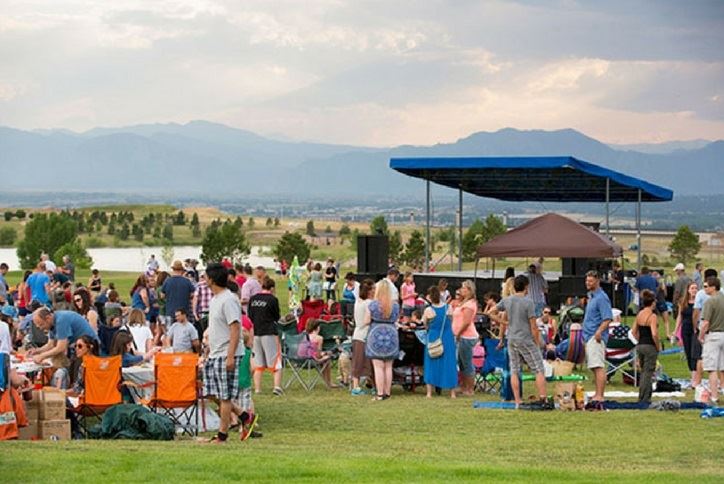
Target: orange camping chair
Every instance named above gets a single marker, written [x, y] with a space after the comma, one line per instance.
[102, 388]
[175, 391]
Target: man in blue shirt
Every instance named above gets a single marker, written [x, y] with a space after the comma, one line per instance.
[39, 284]
[63, 327]
[595, 333]
[178, 292]
[646, 281]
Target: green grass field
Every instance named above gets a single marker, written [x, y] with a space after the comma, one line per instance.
[327, 435]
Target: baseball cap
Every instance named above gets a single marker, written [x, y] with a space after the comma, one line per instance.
[679, 267]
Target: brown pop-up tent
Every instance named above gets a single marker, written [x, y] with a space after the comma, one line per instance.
[551, 235]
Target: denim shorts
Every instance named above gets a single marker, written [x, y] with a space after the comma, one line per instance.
[465, 355]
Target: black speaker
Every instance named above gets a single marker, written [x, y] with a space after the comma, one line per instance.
[372, 253]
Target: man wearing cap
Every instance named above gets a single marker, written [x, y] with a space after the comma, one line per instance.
[682, 282]
[177, 290]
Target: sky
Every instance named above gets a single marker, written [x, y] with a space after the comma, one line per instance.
[375, 73]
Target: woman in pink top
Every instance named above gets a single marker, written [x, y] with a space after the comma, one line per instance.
[466, 334]
[409, 295]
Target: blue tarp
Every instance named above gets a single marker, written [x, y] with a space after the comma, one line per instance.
[545, 179]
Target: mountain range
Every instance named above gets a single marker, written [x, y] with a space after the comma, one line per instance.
[204, 157]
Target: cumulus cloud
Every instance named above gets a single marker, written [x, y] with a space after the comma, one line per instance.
[373, 72]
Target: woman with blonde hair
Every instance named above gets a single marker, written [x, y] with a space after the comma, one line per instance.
[383, 345]
[466, 334]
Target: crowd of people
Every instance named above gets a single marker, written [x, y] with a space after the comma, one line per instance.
[229, 314]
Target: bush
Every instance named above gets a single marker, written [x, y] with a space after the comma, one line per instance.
[95, 243]
[77, 253]
[8, 236]
[45, 233]
[292, 244]
[227, 240]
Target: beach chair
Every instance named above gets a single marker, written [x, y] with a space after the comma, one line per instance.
[304, 370]
[176, 390]
[495, 363]
[102, 389]
[620, 352]
[576, 352]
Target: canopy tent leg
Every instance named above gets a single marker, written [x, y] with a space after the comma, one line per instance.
[638, 232]
[460, 230]
[608, 213]
[427, 226]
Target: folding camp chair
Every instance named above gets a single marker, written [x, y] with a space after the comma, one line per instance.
[304, 370]
[620, 352]
[102, 388]
[495, 362]
[478, 363]
[310, 309]
[284, 328]
[333, 333]
[176, 390]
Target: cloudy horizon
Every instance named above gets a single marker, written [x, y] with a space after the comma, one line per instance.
[371, 72]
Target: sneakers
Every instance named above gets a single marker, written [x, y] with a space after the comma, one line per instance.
[595, 406]
[247, 427]
[357, 392]
[278, 391]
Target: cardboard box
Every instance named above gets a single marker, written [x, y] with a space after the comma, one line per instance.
[33, 413]
[54, 429]
[52, 404]
[563, 387]
[30, 432]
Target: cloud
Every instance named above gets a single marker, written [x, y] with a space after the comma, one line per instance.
[373, 72]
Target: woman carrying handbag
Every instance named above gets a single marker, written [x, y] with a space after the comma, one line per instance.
[440, 357]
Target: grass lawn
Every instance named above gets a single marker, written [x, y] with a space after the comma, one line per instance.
[327, 435]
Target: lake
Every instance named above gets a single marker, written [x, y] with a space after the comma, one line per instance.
[134, 258]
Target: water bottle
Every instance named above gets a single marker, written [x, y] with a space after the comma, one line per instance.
[580, 396]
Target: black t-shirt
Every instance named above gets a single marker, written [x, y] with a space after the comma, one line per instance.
[264, 313]
[330, 275]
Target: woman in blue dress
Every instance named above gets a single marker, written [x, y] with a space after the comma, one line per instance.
[442, 371]
[383, 343]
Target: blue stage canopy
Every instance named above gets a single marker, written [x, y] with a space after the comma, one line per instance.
[544, 179]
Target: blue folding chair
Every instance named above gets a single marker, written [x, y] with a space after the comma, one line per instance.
[489, 379]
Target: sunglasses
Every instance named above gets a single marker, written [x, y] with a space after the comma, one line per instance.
[705, 286]
[546, 312]
[80, 346]
[77, 299]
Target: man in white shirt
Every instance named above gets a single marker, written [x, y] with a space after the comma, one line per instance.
[221, 369]
[392, 276]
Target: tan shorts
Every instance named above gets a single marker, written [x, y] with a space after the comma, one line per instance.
[712, 353]
[595, 354]
[267, 353]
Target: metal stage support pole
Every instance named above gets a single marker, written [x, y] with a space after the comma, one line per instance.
[460, 231]
[638, 233]
[427, 227]
[608, 200]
